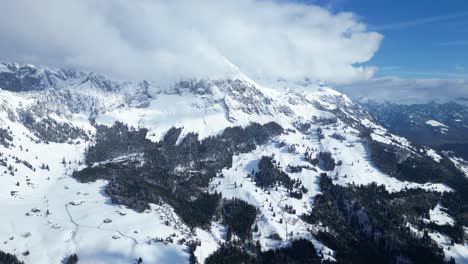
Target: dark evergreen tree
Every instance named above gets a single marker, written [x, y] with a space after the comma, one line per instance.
[7, 258]
[72, 259]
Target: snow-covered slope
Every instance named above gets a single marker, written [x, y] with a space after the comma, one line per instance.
[48, 118]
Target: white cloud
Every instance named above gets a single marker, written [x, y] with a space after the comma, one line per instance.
[408, 91]
[173, 38]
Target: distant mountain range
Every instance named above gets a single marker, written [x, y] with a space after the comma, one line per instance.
[441, 126]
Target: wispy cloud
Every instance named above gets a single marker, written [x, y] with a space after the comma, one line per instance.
[455, 43]
[458, 73]
[439, 74]
[420, 21]
[333, 5]
[459, 68]
[408, 91]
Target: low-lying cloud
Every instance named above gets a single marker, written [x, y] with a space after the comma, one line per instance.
[408, 91]
[178, 38]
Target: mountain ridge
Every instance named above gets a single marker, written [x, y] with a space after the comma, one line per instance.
[141, 154]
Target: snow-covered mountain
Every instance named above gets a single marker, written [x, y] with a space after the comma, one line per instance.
[114, 171]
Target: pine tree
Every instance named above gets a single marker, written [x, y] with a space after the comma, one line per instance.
[228, 234]
[258, 246]
[73, 259]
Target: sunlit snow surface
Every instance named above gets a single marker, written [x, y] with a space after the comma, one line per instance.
[435, 123]
[50, 216]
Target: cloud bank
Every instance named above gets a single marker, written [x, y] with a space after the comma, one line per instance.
[178, 38]
[408, 91]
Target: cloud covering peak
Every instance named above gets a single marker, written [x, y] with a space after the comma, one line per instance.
[178, 38]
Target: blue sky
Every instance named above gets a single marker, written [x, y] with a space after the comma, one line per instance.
[424, 39]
